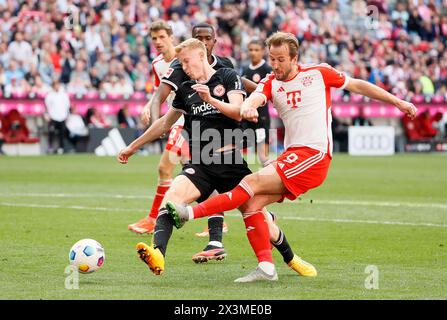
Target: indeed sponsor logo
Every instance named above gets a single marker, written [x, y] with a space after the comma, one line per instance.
[204, 107]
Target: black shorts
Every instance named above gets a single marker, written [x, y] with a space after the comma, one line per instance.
[221, 177]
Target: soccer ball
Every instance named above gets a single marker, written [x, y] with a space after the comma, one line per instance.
[87, 255]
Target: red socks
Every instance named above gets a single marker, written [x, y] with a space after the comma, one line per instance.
[258, 236]
[162, 188]
[223, 202]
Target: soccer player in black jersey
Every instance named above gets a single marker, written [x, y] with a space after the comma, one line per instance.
[214, 250]
[212, 104]
[226, 89]
[256, 71]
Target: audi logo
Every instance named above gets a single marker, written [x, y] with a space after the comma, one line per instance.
[373, 142]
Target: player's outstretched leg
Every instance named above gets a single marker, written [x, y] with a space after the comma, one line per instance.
[258, 236]
[214, 249]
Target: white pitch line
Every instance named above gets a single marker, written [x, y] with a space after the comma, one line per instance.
[75, 195]
[55, 206]
[399, 223]
[317, 201]
[382, 204]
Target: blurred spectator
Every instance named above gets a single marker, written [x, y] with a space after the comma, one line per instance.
[77, 129]
[361, 120]
[95, 119]
[411, 129]
[46, 69]
[102, 65]
[40, 88]
[125, 120]
[178, 26]
[67, 65]
[439, 124]
[80, 74]
[13, 72]
[16, 88]
[425, 125]
[57, 104]
[19, 48]
[14, 128]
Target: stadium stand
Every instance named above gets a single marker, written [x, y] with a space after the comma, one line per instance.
[101, 52]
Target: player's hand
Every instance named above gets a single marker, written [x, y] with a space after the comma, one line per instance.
[203, 91]
[408, 108]
[125, 154]
[146, 116]
[250, 114]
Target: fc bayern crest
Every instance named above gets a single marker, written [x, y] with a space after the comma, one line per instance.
[219, 90]
[256, 77]
[307, 81]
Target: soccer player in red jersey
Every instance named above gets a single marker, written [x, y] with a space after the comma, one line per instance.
[210, 102]
[301, 94]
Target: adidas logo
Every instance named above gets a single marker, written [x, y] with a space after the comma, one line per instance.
[281, 89]
[111, 145]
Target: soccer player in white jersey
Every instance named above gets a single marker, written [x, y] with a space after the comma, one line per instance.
[176, 146]
[301, 94]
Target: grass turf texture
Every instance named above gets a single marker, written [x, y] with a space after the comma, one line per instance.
[49, 203]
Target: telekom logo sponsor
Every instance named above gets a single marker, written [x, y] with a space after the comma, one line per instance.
[293, 98]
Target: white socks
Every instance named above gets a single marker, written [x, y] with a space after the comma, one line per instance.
[190, 212]
[267, 267]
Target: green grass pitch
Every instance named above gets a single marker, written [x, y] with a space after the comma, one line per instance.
[389, 212]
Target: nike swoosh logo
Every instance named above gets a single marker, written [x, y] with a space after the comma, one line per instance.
[157, 231]
[190, 95]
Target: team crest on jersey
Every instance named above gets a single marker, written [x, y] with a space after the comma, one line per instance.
[307, 81]
[219, 90]
[169, 72]
[256, 77]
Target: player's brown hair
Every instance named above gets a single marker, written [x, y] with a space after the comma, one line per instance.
[161, 25]
[280, 38]
[190, 44]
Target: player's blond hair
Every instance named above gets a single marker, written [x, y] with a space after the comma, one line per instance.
[190, 44]
[161, 25]
[280, 38]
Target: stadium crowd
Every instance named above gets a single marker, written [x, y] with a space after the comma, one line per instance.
[103, 46]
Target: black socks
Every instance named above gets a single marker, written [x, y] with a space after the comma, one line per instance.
[163, 230]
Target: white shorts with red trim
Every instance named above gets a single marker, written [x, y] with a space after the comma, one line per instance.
[302, 169]
[177, 143]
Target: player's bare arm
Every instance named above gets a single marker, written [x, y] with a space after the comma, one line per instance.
[249, 85]
[152, 108]
[248, 108]
[157, 129]
[231, 109]
[374, 92]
